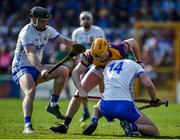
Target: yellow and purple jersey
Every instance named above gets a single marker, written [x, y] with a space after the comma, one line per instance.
[117, 51]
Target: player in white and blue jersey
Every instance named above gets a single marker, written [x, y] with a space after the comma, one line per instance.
[117, 99]
[85, 35]
[87, 32]
[27, 70]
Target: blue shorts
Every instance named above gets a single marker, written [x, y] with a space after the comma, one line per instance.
[123, 110]
[23, 70]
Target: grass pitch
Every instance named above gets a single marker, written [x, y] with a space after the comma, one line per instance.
[11, 122]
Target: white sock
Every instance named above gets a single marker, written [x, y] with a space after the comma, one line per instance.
[27, 124]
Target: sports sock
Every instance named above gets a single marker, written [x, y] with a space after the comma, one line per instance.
[94, 119]
[67, 121]
[85, 110]
[27, 121]
[54, 100]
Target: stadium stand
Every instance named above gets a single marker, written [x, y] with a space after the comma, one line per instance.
[116, 17]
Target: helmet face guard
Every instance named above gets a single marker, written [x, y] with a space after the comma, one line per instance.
[100, 48]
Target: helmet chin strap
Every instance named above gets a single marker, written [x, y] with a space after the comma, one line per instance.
[36, 22]
[36, 25]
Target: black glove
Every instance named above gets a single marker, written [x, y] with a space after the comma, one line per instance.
[155, 103]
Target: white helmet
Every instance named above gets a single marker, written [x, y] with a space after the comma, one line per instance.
[86, 14]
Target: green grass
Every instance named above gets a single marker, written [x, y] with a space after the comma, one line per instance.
[11, 122]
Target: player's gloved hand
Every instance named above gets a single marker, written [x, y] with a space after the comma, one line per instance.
[44, 74]
[155, 102]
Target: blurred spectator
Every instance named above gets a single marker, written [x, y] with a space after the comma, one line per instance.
[144, 12]
[115, 17]
[5, 59]
[157, 50]
[103, 18]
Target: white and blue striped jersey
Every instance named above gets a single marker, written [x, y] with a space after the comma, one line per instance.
[30, 36]
[85, 37]
[118, 79]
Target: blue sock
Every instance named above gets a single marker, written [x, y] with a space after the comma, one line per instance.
[85, 110]
[54, 98]
[27, 120]
[135, 127]
[94, 119]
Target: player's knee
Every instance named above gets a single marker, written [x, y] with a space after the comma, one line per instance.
[95, 107]
[30, 93]
[64, 71]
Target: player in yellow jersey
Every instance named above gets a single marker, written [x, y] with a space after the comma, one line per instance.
[99, 55]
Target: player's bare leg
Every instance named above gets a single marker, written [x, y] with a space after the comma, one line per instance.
[143, 125]
[100, 87]
[85, 114]
[29, 89]
[60, 76]
[88, 82]
[94, 121]
[146, 127]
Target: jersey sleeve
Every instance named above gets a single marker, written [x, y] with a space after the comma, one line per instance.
[139, 68]
[120, 47]
[53, 34]
[86, 59]
[25, 38]
[74, 36]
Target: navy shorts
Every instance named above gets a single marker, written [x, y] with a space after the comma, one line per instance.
[23, 70]
[123, 110]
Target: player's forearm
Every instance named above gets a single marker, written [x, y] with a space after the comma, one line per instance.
[35, 61]
[136, 49]
[133, 46]
[148, 85]
[152, 92]
[151, 89]
[66, 41]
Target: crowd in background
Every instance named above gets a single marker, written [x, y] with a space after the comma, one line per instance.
[116, 17]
